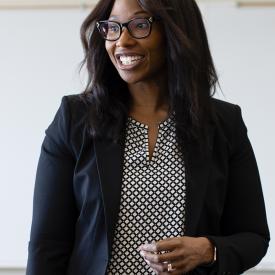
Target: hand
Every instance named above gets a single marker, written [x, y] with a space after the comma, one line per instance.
[182, 254]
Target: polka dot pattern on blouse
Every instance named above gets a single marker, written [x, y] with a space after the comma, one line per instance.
[153, 195]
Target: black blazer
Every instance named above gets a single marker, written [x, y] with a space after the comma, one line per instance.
[77, 196]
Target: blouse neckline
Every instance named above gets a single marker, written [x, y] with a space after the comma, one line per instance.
[161, 124]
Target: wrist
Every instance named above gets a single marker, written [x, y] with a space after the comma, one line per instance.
[210, 253]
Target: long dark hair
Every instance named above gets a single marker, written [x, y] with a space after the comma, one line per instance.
[192, 76]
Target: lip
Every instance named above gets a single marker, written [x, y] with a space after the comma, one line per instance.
[128, 67]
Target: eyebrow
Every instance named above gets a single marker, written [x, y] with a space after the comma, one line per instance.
[135, 13]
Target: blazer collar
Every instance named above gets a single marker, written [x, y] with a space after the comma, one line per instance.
[109, 158]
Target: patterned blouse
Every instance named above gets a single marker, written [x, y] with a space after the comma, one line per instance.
[152, 205]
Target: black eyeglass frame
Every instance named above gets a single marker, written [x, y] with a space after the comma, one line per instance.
[150, 20]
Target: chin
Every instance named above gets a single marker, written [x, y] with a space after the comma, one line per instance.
[131, 78]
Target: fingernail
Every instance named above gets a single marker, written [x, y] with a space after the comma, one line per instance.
[146, 246]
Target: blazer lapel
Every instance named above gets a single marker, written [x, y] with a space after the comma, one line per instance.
[109, 158]
[197, 163]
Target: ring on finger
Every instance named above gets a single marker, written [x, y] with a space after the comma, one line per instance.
[170, 267]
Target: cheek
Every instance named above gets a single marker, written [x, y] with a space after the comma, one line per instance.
[109, 49]
[157, 48]
[158, 54]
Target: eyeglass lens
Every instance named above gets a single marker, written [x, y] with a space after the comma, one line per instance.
[138, 28]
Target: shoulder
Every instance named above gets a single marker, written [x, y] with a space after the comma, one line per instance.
[76, 106]
[228, 122]
[223, 109]
[69, 125]
[226, 114]
[74, 111]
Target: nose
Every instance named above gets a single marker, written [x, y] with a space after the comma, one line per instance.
[125, 39]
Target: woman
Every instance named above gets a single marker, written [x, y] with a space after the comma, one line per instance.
[145, 172]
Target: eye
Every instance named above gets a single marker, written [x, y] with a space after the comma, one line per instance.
[114, 28]
[141, 25]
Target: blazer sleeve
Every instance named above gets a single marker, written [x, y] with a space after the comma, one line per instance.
[245, 233]
[54, 211]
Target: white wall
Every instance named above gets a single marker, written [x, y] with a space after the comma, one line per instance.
[243, 42]
[39, 56]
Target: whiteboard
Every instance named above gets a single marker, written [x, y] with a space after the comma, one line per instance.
[39, 58]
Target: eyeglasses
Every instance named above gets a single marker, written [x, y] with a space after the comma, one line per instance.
[137, 28]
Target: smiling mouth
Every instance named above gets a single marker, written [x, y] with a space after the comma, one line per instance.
[129, 61]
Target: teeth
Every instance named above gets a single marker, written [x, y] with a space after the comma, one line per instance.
[129, 60]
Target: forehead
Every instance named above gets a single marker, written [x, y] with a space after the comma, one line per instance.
[125, 9]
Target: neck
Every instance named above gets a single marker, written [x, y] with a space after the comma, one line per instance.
[149, 98]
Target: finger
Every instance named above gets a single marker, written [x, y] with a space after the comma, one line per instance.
[160, 258]
[162, 245]
[158, 268]
[179, 266]
[184, 266]
[162, 269]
